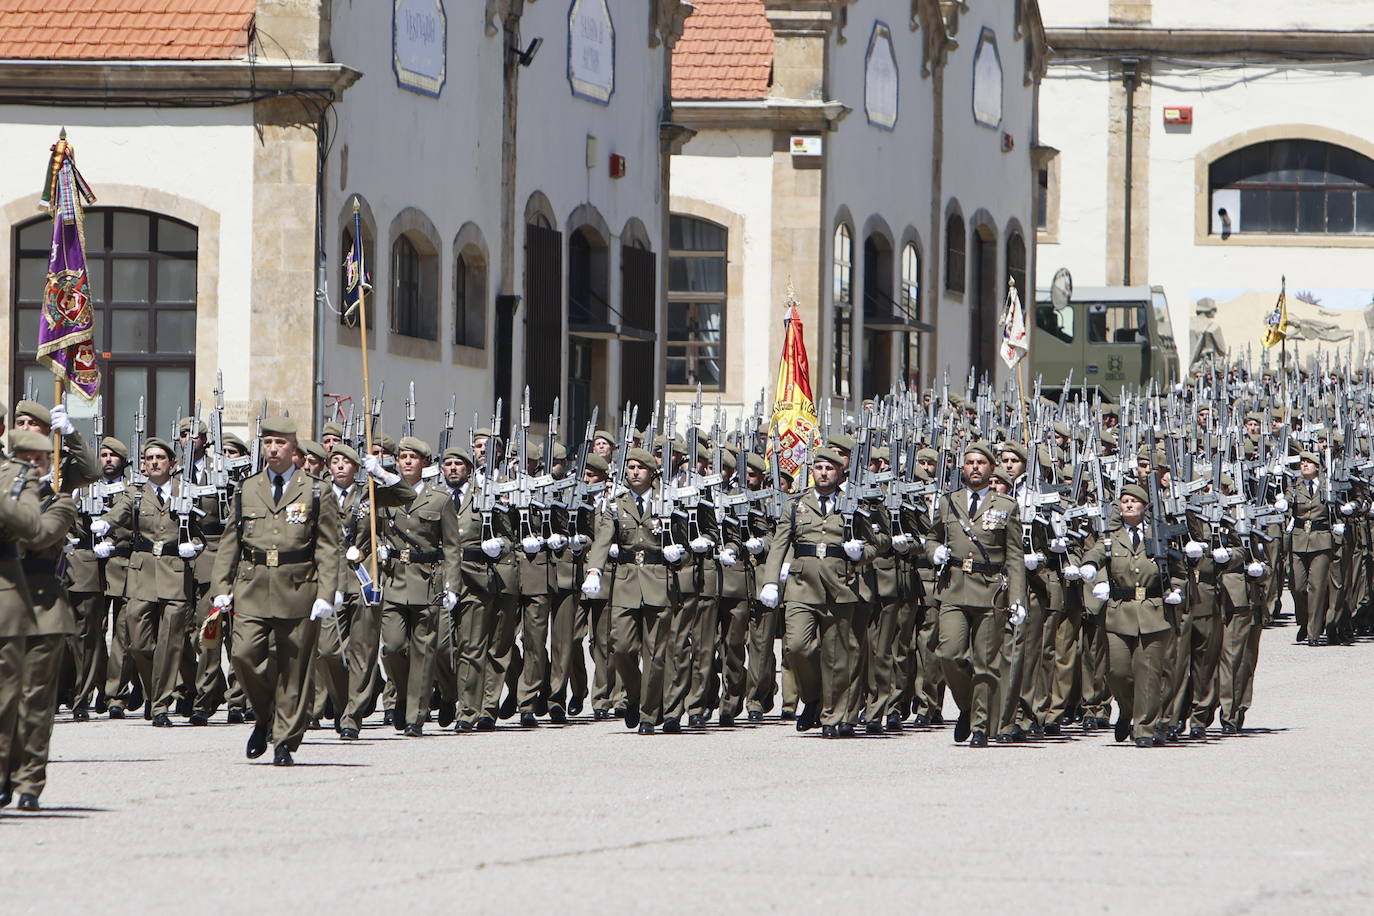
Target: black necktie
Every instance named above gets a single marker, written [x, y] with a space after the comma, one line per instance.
[825, 506]
[1311, 488]
[639, 503]
[160, 501]
[278, 481]
[1135, 538]
[972, 503]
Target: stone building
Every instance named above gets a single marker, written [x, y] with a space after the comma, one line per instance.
[1248, 162]
[875, 156]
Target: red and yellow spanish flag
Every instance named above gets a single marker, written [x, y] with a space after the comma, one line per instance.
[794, 411]
[1276, 324]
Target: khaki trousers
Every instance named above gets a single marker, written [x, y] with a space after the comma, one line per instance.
[410, 639]
[213, 685]
[825, 648]
[90, 657]
[762, 675]
[535, 614]
[330, 675]
[682, 638]
[1240, 643]
[969, 651]
[607, 691]
[732, 636]
[1096, 697]
[120, 674]
[502, 659]
[272, 658]
[157, 643]
[567, 669]
[703, 694]
[882, 686]
[1065, 680]
[28, 753]
[927, 676]
[1311, 583]
[361, 627]
[11, 689]
[640, 638]
[1133, 668]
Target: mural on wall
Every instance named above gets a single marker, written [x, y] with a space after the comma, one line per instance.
[1227, 320]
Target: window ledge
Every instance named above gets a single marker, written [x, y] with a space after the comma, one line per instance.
[412, 347]
[470, 357]
[1295, 240]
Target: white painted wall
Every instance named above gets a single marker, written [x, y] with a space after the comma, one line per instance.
[1075, 13]
[1252, 14]
[1073, 120]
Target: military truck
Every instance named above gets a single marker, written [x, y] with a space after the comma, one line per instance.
[1109, 336]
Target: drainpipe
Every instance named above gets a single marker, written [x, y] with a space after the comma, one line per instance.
[1129, 80]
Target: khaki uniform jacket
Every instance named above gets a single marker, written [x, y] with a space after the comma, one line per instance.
[305, 522]
[85, 571]
[700, 572]
[822, 580]
[538, 573]
[79, 463]
[1129, 567]
[1311, 518]
[634, 581]
[19, 519]
[156, 573]
[355, 531]
[479, 571]
[1209, 574]
[428, 524]
[53, 613]
[997, 526]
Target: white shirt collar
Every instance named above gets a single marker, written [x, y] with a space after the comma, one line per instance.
[286, 475]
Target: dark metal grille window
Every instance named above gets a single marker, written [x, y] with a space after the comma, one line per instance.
[955, 265]
[544, 316]
[470, 300]
[696, 302]
[142, 270]
[1016, 263]
[412, 308]
[842, 310]
[639, 278]
[1297, 186]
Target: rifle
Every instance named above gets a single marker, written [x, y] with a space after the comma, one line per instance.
[183, 500]
[257, 438]
[408, 425]
[487, 503]
[446, 434]
[136, 452]
[92, 499]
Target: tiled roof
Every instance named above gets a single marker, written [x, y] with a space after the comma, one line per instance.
[125, 29]
[725, 52]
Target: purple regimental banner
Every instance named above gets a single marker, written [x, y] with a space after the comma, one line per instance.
[66, 327]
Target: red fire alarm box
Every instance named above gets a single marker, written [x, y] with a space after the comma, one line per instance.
[1178, 114]
[617, 166]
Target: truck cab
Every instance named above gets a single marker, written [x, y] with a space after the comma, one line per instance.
[1109, 336]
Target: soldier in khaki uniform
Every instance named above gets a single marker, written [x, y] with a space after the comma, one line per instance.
[567, 684]
[1310, 548]
[278, 568]
[826, 598]
[975, 541]
[422, 567]
[19, 520]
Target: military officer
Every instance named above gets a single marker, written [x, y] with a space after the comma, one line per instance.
[20, 515]
[1310, 548]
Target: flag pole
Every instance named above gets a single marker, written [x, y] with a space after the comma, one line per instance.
[367, 397]
[57, 437]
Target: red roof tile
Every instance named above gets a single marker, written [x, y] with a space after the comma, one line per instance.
[125, 29]
[725, 52]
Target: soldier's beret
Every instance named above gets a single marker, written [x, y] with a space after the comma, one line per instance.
[385, 443]
[1136, 490]
[598, 463]
[184, 426]
[1108, 410]
[703, 453]
[1227, 482]
[1309, 456]
[729, 458]
[644, 457]
[534, 451]
[348, 451]
[1107, 438]
[1255, 415]
[278, 426]
[332, 429]
[560, 452]
[956, 399]
[841, 441]
[418, 446]
[981, 448]
[1062, 429]
[29, 440]
[1015, 448]
[608, 436]
[34, 409]
[927, 454]
[311, 447]
[1003, 476]
[783, 472]
[881, 453]
[828, 454]
[481, 431]
[679, 446]
[231, 439]
[155, 442]
[114, 445]
[757, 463]
[1045, 457]
[455, 451]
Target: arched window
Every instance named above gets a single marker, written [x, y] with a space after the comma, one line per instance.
[955, 243]
[1292, 186]
[413, 282]
[142, 270]
[696, 301]
[910, 295]
[470, 298]
[1016, 263]
[842, 310]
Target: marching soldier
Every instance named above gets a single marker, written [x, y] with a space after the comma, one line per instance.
[20, 518]
[1309, 550]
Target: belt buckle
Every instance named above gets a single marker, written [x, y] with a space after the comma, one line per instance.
[1140, 593]
[157, 548]
[405, 555]
[968, 564]
[273, 556]
[639, 558]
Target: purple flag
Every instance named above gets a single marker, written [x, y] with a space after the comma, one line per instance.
[66, 326]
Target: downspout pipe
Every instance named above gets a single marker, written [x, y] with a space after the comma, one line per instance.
[1129, 79]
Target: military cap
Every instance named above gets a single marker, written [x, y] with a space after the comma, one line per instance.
[783, 472]
[1045, 458]
[348, 452]
[1003, 476]
[1227, 482]
[638, 435]
[155, 442]
[456, 451]
[311, 447]
[1108, 410]
[114, 445]
[927, 454]
[1136, 490]
[757, 463]
[385, 443]
[413, 444]
[185, 426]
[481, 431]
[881, 453]
[828, 454]
[1107, 438]
[608, 436]
[29, 440]
[1014, 447]
[231, 439]
[956, 399]
[841, 440]
[1309, 456]
[1255, 415]
[332, 429]
[598, 463]
[643, 456]
[34, 409]
[278, 426]
[982, 448]
[729, 458]
[1062, 429]
[534, 451]
[703, 453]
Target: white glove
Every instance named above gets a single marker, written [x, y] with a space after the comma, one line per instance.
[188, 550]
[103, 549]
[60, 421]
[941, 555]
[615, 551]
[768, 595]
[1059, 545]
[557, 541]
[673, 552]
[353, 555]
[1255, 569]
[591, 586]
[321, 609]
[450, 601]
[902, 543]
[493, 547]
[1018, 614]
[338, 601]
[1194, 549]
[1348, 508]
[1281, 503]
[1173, 597]
[383, 552]
[1072, 573]
[1033, 561]
[1370, 510]
[1087, 572]
[579, 542]
[531, 544]
[785, 571]
[727, 556]
[373, 465]
[1102, 591]
[223, 602]
[754, 546]
[701, 544]
[100, 527]
[854, 550]
[1338, 529]
[1221, 555]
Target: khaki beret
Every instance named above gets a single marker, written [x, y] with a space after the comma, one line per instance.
[155, 442]
[609, 437]
[881, 453]
[348, 451]
[1014, 447]
[114, 445]
[1309, 456]
[1062, 429]
[1136, 490]
[643, 456]
[927, 454]
[841, 440]
[481, 431]
[757, 463]
[231, 439]
[332, 429]
[454, 451]
[826, 453]
[29, 440]
[34, 409]
[1003, 476]
[385, 443]
[311, 447]
[278, 426]
[729, 458]
[598, 463]
[413, 444]
[981, 448]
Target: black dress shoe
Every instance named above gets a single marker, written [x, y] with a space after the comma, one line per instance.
[672, 725]
[787, 716]
[313, 725]
[162, 720]
[1159, 739]
[257, 742]
[632, 717]
[1313, 642]
[619, 712]
[1227, 728]
[1123, 728]
[574, 706]
[829, 731]
[28, 802]
[486, 724]
[462, 725]
[448, 711]
[388, 718]
[727, 720]
[1005, 738]
[185, 706]
[1037, 730]
[102, 705]
[1144, 742]
[249, 715]
[348, 734]
[696, 720]
[921, 720]
[600, 714]
[557, 716]
[846, 729]
[236, 717]
[198, 718]
[874, 727]
[894, 722]
[6, 794]
[806, 722]
[415, 730]
[1053, 730]
[398, 719]
[116, 712]
[508, 706]
[1089, 723]
[528, 720]
[282, 758]
[756, 715]
[962, 729]
[1017, 733]
[978, 739]
[80, 715]
[1197, 731]
[937, 718]
[646, 728]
